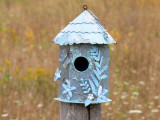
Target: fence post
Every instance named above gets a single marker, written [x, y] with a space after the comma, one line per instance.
[73, 111]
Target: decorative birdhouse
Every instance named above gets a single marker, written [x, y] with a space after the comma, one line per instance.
[83, 71]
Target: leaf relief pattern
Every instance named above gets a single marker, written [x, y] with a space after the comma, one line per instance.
[68, 89]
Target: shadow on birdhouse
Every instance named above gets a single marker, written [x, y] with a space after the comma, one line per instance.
[83, 61]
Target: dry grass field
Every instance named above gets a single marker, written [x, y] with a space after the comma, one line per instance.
[28, 58]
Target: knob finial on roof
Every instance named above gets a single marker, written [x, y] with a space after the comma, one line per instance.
[85, 7]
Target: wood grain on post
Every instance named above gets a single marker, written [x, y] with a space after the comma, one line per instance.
[72, 111]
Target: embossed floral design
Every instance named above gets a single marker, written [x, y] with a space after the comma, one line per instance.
[89, 99]
[57, 75]
[68, 90]
[90, 96]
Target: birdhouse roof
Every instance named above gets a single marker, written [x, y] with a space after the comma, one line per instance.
[86, 28]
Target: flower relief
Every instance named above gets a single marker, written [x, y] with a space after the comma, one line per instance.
[68, 89]
[89, 99]
[57, 75]
[90, 96]
[100, 96]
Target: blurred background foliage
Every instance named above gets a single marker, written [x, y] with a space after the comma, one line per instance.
[28, 58]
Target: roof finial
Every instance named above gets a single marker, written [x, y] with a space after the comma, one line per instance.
[85, 7]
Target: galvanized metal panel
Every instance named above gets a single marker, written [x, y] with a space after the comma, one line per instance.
[89, 86]
[86, 28]
[77, 38]
[84, 17]
[83, 28]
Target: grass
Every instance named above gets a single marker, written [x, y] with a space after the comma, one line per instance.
[28, 59]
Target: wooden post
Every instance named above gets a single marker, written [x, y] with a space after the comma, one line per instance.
[72, 111]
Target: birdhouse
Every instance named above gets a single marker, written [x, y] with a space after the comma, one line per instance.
[83, 71]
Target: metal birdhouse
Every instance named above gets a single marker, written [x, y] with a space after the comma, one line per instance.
[83, 71]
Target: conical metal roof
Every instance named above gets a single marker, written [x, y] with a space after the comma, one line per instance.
[86, 28]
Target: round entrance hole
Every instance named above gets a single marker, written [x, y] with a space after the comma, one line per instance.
[81, 64]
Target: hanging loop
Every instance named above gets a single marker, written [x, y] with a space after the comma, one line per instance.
[85, 7]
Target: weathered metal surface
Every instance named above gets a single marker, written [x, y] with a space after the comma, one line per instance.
[83, 72]
[86, 28]
[89, 86]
